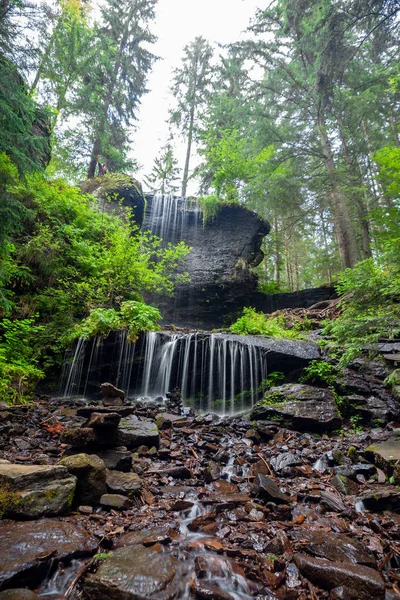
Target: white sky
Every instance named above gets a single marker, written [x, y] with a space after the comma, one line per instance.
[178, 22]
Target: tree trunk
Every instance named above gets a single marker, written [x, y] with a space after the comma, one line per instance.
[277, 256]
[185, 178]
[343, 225]
[94, 158]
[362, 211]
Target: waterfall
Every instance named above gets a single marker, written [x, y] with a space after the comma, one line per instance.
[72, 371]
[213, 371]
[218, 372]
[168, 217]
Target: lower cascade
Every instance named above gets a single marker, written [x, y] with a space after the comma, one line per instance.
[217, 372]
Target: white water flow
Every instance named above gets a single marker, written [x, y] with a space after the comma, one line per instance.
[169, 216]
[72, 372]
[212, 371]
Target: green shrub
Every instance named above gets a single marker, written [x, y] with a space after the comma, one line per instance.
[254, 323]
[320, 372]
[19, 373]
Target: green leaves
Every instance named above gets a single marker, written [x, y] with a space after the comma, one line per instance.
[254, 323]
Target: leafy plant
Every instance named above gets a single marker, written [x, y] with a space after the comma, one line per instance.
[136, 317]
[320, 372]
[274, 378]
[19, 373]
[254, 323]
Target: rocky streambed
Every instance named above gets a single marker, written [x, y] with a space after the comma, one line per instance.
[132, 503]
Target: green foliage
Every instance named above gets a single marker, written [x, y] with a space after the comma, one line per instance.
[371, 304]
[320, 372]
[274, 378]
[210, 207]
[356, 423]
[72, 259]
[135, 317]
[19, 373]
[388, 161]
[254, 323]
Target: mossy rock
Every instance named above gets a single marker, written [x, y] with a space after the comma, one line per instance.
[117, 191]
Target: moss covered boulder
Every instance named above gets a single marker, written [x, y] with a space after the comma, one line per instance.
[299, 407]
[117, 191]
[33, 491]
[90, 471]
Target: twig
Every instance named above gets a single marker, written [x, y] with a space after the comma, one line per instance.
[194, 452]
[266, 464]
[77, 577]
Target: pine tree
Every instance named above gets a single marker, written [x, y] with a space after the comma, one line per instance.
[190, 89]
[117, 68]
[165, 172]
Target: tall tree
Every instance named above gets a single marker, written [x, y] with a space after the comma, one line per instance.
[165, 172]
[190, 89]
[117, 69]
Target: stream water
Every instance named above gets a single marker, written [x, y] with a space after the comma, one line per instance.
[193, 549]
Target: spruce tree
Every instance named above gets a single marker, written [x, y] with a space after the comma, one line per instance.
[190, 89]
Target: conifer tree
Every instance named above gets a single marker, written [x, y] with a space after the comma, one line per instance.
[115, 79]
[190, 89]
[165, 172]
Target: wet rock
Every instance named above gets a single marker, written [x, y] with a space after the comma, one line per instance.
[111, 396]
[116, 501]
[18, 594]
[332, 501]
[104, 420]
[79, 437]
[212, 472]
[300, 407]
[90, 471]
[284, 460]
[29, 549]
[266, 488]
[210, 592]
[174, 401]
[167, 420]
[132, 573]
[177, 472]
[363, 581]
[134, 433]
[386, 455]
[118, 459]
[344, 485]
[333, 546]
[379, 500]
[135, 538]
[128, 484]
[32, 491]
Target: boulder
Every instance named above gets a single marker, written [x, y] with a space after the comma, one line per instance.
[386, 456]
[30, 549]
[119, 459]
[266, 488]
[134, 433]
[333, 546]
[116, 501]
[128, 484]
[300, 407]
[90, 471]
[111, 396]
[133, 573]
[364, 583]
[32, 491]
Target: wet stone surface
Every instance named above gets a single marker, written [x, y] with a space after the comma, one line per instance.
[224, 508]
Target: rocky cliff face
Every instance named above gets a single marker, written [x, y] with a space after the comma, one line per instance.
[219, 264]
[116, 191]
